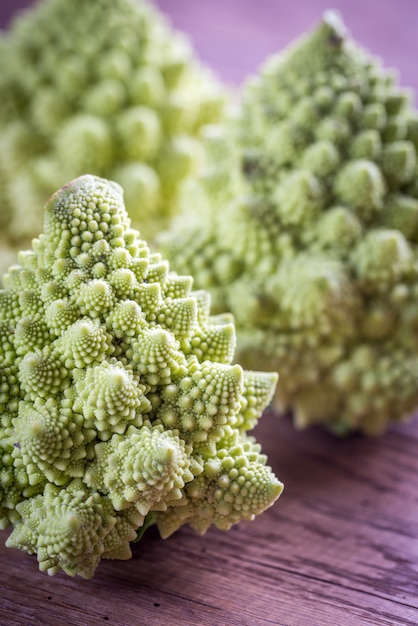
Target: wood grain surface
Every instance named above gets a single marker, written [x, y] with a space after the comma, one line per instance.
[338, 548]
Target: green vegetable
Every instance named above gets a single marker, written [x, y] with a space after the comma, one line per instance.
[119, 405]
[310, 232]
[104, 87]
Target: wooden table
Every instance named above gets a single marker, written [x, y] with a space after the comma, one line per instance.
[340, 547]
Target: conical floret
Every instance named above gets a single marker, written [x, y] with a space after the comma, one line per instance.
[103, 87]
[316, 255]
[112, 401]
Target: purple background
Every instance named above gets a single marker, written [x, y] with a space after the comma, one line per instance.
[235, 36]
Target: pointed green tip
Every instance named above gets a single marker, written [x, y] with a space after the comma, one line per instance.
[271, 378]
[166, 454]
[81, 182]
[276, 489]
[318, 50]
[30, 363]
[78, 187]
[73, 522]
[332, 19]
[37, 428]
[83, 329]
[331, 31]
[118, 378]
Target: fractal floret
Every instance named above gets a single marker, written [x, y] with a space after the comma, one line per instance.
[119, 402]
[316, 255]
[104, 87]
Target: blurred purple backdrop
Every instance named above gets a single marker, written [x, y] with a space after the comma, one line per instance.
[235, 36]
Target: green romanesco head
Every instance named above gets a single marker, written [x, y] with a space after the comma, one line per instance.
[103, 87]
[119, 401]
[315, 250]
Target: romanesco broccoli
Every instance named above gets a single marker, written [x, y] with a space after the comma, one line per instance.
[104, 87]
[119, 402]
[310, 237]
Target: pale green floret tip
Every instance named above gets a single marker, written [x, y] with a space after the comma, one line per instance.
[49, 438]
[42, 375]
[117, 393]
[306, 229]
[129, 103]
[234, 484]
[111, 396]
[146, 468]
[71, 529]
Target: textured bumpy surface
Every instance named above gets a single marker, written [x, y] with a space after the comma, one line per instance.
[119, 405]
[311, 233]
[104, 87]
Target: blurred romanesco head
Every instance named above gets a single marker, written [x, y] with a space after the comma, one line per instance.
[104, 87]
[119, 402]
[310, 236]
